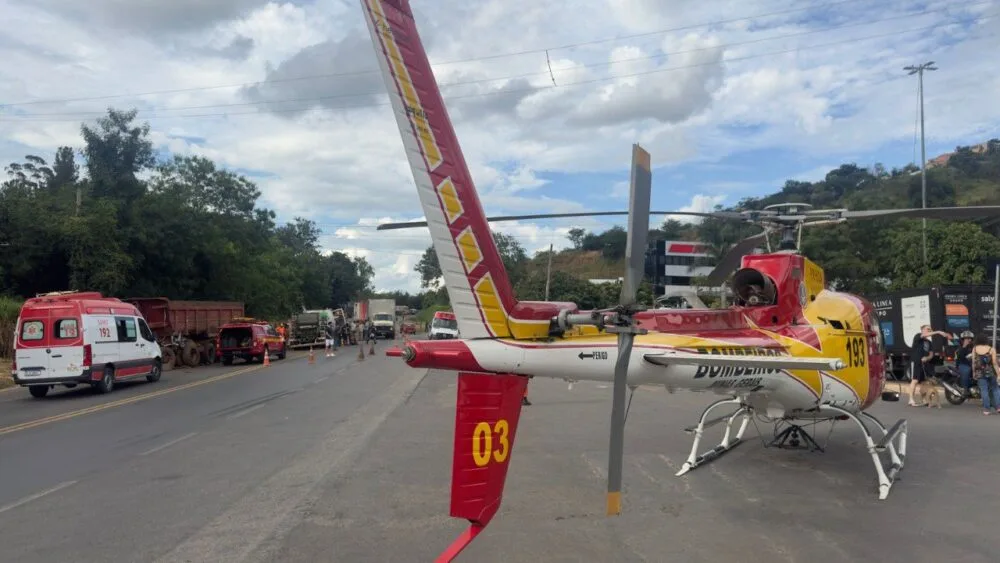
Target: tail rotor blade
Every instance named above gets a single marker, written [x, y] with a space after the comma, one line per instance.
[635, 252]
[732, 258]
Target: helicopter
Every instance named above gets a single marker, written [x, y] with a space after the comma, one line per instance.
[788, 350]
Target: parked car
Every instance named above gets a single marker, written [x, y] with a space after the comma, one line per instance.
[249, 339]
[74, 338]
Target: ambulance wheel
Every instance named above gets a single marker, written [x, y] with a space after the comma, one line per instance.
[156, 372]
[227, 359]
[107, 382]
[38, 391]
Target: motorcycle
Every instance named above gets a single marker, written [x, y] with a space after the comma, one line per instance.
[951, 380]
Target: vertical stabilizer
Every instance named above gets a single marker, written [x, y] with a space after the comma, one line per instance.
[474, 274]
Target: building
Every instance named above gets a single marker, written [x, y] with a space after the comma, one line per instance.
[672, 264]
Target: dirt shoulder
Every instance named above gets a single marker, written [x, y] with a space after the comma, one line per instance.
[5, 378]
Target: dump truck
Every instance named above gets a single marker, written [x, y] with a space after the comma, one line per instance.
[186, 330]
[308, 327]
[948, 308]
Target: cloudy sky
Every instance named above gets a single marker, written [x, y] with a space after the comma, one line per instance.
[731, 98]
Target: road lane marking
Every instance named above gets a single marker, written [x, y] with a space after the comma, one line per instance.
[246, 411]
[321, 379]
[35, 496]
[121, 402]
[256, 525]
[168, 444]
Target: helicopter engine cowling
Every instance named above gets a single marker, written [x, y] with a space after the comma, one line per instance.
[754, 288]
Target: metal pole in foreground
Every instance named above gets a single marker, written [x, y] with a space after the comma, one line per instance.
[919, 71]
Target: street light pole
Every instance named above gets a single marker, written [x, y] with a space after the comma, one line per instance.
[919, 71]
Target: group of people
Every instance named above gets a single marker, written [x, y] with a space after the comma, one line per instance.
[975, 359]
[338, 332]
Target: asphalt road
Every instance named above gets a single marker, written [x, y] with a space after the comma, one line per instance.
[349, 461]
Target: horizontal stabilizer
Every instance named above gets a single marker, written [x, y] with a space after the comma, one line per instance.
[764, 362]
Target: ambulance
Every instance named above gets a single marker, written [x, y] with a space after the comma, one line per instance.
[443, 326]
[76, 338]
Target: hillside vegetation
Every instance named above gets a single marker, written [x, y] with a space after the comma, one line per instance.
[190, 231]
[863, 256]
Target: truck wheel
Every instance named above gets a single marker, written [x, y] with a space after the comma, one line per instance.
[156, 372]
[169, 358]
[190, 354]
[38, 391]
[210, 353]
[107, 382]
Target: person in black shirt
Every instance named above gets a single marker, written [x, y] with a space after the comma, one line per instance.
[963, 360]
[922, 354]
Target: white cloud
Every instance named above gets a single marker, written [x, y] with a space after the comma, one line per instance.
[700, 203]
[326, 147]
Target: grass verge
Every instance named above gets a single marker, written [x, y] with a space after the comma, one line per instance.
[5, 378]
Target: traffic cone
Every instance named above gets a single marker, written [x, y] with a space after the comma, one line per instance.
[267, 359]
[312, 356]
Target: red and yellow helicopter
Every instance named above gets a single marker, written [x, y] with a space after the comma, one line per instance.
[788, 350]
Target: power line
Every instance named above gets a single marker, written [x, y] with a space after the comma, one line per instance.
[459, 61]
[525, 75]
[532, 89]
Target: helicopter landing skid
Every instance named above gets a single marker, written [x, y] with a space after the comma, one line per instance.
[728, 441]
[892, 440]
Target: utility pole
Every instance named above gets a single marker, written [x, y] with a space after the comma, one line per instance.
[548, 273]
[919, 71]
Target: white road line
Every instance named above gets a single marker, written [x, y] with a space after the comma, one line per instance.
[35, 496]
[322, 379]
[253, 529]
[246, 411]
[168, 444]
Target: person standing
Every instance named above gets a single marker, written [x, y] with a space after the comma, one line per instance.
[984, 370]
[330, 331]
[922, 354]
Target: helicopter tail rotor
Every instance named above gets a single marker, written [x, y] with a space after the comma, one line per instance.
[624, 326]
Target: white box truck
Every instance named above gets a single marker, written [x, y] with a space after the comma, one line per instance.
[382, 312]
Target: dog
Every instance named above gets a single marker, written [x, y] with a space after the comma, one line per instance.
[931, 393]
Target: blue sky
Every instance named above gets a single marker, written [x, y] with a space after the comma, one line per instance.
[730, 98]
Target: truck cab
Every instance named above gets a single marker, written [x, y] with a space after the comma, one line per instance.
[444, 325]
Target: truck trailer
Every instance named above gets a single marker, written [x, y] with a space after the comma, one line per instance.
[948, 308]
[186, 330]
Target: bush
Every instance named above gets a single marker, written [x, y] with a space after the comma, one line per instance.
[10, 307]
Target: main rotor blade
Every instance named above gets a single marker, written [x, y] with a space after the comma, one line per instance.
[733, 258]
[731, 215]
[967, 212]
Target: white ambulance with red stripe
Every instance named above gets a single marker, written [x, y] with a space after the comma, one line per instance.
[74, 338]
